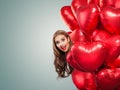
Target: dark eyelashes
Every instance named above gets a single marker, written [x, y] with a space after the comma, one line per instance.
[63, 39]
[57, 42]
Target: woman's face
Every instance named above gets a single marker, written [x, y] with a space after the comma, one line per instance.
[62, 42]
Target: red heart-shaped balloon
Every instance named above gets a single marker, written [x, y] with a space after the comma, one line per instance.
[79, 3]
[112, 43]
[84, 80]
[108, 79]
[113, 3]
[77, 36]
[100, 35]
[110, 18]
[68, 18]
[89, 55]
[88, 18]
[72, 62]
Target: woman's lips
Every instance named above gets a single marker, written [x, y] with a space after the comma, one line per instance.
[63, 47]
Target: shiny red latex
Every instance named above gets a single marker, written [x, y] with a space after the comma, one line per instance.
[108, 79]
[72, 62]
[69, 18]
[88, 18]
[117, 62]
[84, 80]
[79, 3]
[113, 3]
[77, 36]
[112, 43]
[89, 55]
[110, 18]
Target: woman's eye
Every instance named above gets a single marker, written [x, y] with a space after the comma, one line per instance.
[57, 42]
[63, 39]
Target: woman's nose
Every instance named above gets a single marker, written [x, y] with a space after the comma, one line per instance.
[61, 44]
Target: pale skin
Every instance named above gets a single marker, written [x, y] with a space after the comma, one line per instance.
[62, 42]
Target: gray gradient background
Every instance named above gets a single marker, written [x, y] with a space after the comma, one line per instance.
[26, 58]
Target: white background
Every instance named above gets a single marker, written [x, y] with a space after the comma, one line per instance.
[26, 56]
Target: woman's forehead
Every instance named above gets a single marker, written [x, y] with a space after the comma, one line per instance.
[58, 37]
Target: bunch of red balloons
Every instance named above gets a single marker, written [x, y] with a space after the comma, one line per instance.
[95, 32]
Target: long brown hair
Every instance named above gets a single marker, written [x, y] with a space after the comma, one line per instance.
[62, 68]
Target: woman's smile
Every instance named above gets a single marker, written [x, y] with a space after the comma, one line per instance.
[63, 47]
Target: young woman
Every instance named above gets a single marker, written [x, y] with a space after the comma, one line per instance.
[63, 62]
[61, 46]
